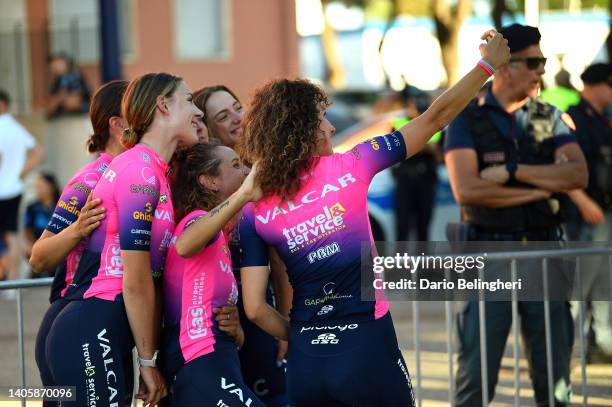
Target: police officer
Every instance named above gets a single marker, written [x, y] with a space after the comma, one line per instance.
[595, 203]
[416, 179]
[506, 154]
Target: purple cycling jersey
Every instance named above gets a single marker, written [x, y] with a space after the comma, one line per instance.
[139, 216]
[318, 233]
[67, 211]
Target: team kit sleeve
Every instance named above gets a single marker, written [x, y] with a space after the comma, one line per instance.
[191, 218]
[254, 249]
[68, 206]
[376, 154]
[136, 195]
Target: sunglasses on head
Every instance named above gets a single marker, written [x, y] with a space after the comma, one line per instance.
[531, 62]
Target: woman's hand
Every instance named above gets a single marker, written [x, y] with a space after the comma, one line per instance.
[251, 189]
[152, 386]
[90, 217]
[229, 322]
[281, 354]
[495, 50]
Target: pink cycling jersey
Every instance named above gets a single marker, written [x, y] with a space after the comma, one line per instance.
[67, 211]
[139, 216]
[319, 233]
[193, 287]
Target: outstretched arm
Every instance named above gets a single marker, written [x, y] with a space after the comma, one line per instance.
[417, 133]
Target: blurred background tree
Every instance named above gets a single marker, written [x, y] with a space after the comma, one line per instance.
[448, 17]
[448, 20]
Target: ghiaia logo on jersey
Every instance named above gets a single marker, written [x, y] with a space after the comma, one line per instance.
[309, 231]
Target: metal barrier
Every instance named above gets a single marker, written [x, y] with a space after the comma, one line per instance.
[544, 255]
[19, 285]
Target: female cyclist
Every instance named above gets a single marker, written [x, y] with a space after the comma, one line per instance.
[76, 215]
[314, 212]
[90, 343]
[201, 325]
[262, 356]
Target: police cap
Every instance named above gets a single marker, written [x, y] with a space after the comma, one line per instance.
[520, 36]
[597, 73]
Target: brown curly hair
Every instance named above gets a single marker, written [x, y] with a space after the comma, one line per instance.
[280, 133]
[187, 192]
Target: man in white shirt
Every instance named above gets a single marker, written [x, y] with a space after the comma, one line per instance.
[19, 154]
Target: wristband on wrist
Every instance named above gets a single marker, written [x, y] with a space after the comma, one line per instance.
[486, 66]
[148, 362]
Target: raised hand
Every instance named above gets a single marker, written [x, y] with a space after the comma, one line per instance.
[495, 50]
[251, 188]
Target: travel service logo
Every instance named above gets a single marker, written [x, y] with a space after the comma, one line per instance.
[331, 220]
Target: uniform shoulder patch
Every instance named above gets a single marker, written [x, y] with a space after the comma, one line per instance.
[567, 119]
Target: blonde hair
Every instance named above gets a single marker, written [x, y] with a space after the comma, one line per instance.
[140, 100]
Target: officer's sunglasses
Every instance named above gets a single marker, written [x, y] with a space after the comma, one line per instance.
[532, 63]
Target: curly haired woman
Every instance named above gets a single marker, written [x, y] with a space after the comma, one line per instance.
[313, 210]
[262, 356]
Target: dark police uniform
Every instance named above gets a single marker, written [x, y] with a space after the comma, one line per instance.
[530, 135]
[595, 138]
[415, 190]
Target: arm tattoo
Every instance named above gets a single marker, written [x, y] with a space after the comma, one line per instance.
[218, 209]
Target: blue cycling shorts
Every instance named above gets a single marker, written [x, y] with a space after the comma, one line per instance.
[344, 363]
[90, 346]
[213, 379]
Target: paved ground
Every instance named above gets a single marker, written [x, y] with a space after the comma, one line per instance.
[434, 365]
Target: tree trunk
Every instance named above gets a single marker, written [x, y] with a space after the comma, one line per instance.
[389, 23]
[497, 12]
[335, 74]
[448, 23]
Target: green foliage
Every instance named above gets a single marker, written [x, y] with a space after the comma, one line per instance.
[380, 9]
